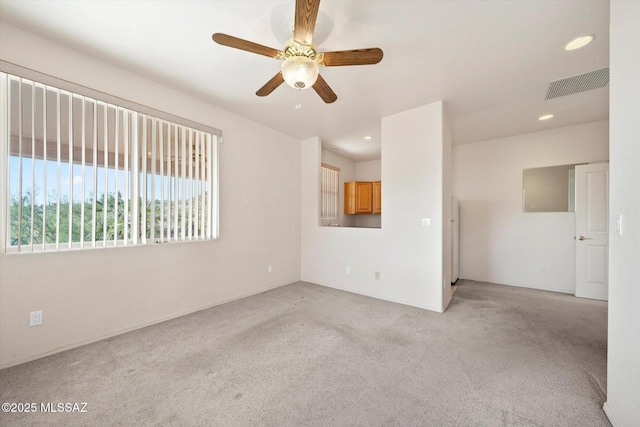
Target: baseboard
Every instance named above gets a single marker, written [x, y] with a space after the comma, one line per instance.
[609, 413]
[380, 297]
[132, 328]
[515, 285]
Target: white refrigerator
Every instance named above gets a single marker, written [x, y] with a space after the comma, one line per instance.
[455, 239]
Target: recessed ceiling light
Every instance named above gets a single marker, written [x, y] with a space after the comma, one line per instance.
[368, 137]
[545, 117]
[579, 42]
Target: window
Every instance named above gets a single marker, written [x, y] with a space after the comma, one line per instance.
[79, 172]
[329, 190]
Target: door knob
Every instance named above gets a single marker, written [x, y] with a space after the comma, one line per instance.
[584, 238]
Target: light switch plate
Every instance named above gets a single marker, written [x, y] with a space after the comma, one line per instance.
[426, 222]
[619, 225]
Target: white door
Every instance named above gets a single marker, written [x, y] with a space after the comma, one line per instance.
[592, 231]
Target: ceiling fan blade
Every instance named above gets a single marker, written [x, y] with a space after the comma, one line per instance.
[305, 21]
[322, 88]
[271, 85]
[352, 57]
[227, 40]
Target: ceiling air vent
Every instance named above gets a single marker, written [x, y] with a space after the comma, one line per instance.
[579, 83]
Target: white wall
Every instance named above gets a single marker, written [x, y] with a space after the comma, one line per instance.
[408, 257]
[89, 295]
[498, 242]
[369, 171]
[623, 357]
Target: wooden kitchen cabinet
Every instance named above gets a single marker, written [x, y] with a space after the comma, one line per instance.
[362, 198]
[349, 198]
[377, 198]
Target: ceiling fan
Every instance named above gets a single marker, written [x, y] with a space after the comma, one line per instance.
[300, 68]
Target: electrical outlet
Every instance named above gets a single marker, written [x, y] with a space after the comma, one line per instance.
[270, 269]
[377, 275]
[35, 318]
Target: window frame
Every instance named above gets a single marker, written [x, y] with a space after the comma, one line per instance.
[329, 209]
[208, 165]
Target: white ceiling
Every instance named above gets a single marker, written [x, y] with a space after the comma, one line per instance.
[490, 61]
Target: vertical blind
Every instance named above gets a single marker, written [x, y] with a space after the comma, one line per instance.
[79, 172]
[329, 187]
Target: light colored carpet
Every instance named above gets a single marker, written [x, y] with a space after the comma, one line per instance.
[308, 355]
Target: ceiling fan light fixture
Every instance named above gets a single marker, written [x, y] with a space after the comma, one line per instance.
[300, 72]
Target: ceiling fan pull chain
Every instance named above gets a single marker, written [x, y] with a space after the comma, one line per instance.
[298, 102]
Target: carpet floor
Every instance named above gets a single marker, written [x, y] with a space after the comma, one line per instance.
[307, 355]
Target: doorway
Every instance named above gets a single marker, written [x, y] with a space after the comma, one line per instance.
[592, 231]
